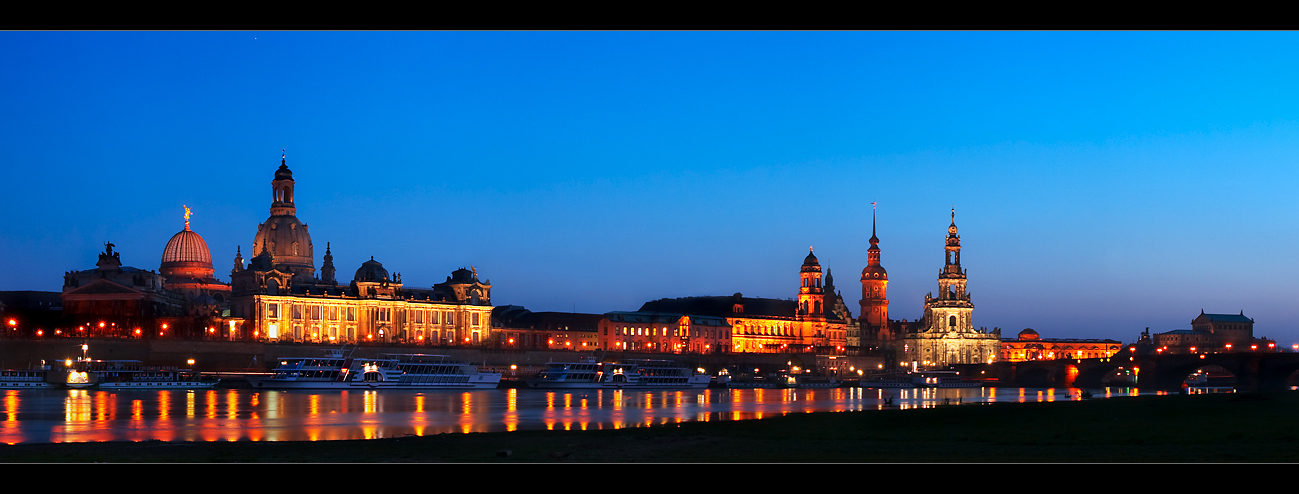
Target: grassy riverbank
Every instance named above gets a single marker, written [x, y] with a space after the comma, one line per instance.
[1201, 428]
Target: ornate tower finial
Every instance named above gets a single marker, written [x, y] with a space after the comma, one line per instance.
[187, 213]
[283, 153]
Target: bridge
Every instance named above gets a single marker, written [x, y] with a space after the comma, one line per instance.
[1253, 370]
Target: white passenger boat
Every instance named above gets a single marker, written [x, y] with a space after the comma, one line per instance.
[133, 374]
[389, 371]
[942, 379]
[633, 374]
[24, 379]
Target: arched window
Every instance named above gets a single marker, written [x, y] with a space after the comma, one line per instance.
[951, 321]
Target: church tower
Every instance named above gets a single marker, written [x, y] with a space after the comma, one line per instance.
[282, 235]
[811, 295]
[951, 309]
[874, 286]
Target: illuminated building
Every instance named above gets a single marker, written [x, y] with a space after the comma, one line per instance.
[664, 333]
[122, 297]
[1029, 345]
[946, 334]
[874, 322]
[187, 268]
[1212, 333]
[818, 321]
[278, 296]
[516, 327]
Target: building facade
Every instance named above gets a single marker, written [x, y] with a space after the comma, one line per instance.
[279, 297]
[664, 333]
[1213, 333]
[946, 334]
[818, 321]
[1029, 345]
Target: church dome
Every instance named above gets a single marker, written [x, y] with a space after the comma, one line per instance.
[286, 238]
[283, 173]
[1029, 334]
[874, 273]
[810, 260]
[186, 256]
[371, 271]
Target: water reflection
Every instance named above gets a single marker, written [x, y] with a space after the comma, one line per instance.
[247, 415]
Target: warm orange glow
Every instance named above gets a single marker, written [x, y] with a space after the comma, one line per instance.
[39, 332]
[13, 322]
[1253, 347]
[164, 325]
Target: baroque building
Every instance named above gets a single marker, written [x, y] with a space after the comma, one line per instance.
[818, 321]
[279, 297]
[946, 334]
[187, 268]
[1029, 345]
[117, 300]
[874, 322]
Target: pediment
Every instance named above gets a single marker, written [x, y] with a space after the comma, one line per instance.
[102, 287]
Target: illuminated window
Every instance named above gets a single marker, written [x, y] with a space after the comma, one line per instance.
[351, 313]
[474, 320]
[273, 311]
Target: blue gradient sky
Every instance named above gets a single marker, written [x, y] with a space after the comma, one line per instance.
[1104, 182]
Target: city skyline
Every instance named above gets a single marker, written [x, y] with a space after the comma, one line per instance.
[1103, 182]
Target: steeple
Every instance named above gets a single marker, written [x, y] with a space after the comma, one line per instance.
[874, 288]
[811, 293]
[239, 260]
[282, 190]
[327, 270]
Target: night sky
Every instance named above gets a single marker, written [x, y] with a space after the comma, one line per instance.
[1103, 182]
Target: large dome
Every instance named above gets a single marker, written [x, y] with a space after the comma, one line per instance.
[186, 255]
[287, 240]
[371, 271]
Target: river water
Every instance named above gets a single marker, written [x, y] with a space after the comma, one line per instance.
[55, 416]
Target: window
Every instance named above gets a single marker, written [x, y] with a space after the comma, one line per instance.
[273, 311]
[297, 312]
[474, 320]
[433, 317]
[419, 317]
[315, 312]
[333, 313]
[351, 313]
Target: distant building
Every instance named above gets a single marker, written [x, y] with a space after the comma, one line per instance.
[817, 321]
[1029, 345]
[278, 297]
[946, 335]
[664, 332]
[1213, 333]
[516, 327]
[187, 269]
[129, 302]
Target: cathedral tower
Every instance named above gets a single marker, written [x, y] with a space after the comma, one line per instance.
[951, 309]
[282, 235]
[811, 295]
[874, 285]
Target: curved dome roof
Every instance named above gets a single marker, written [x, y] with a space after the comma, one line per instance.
[874, 273]
[1029, 334]
[283, 173]
[810, 260]
[287, 239]
[186, 246]
[371, 270]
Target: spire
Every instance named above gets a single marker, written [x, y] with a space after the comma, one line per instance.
[283, 153]
[874, 240]
[187, 213]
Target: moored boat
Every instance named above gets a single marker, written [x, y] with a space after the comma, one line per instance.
[388, 371]
[633, 374]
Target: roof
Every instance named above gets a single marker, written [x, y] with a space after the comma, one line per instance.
[723, 306]
[664, 317]
[1224, 317]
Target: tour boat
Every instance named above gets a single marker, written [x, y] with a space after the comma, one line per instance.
[24, 379]
[633, 374]
[133, 374]
[942, 379]
[389, 371]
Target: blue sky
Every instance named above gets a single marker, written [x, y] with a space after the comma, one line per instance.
[1104, 182]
